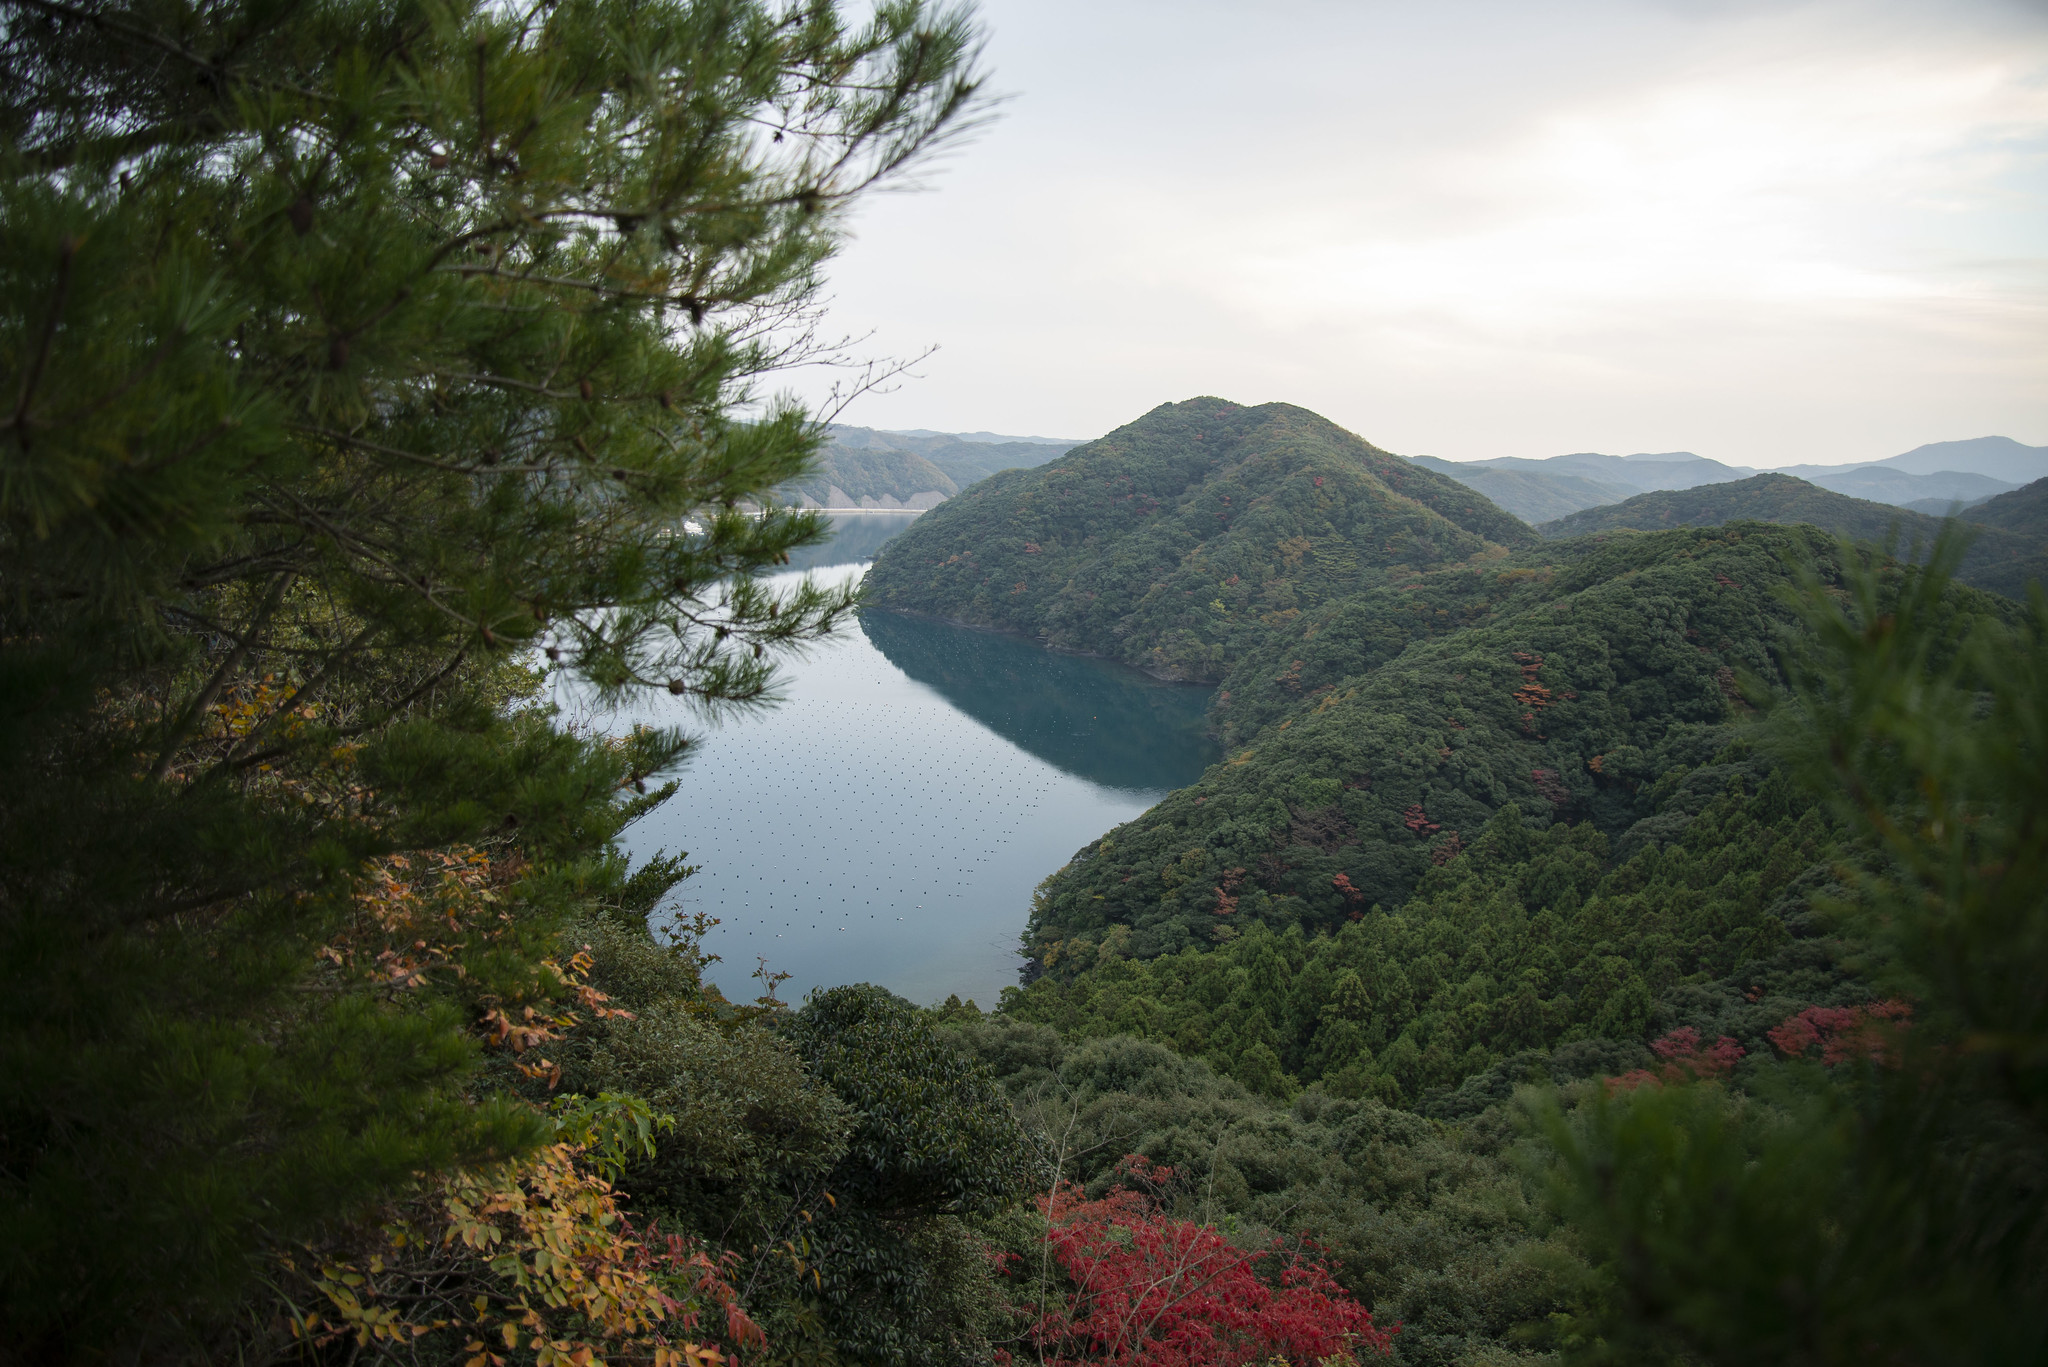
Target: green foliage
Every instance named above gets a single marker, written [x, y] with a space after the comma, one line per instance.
[2008, 550]
[611, 1128]
[1179, 540]
[1614, 668]
[1894, 1199]
[1529, 940]
[1435, 1228]
[901, 1274]
[355, 349]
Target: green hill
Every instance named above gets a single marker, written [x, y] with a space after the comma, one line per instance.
[1540, 828]
[2016, 536]
[2007, 553]
[1760, 498]
[1603, 665]
[1179, 541]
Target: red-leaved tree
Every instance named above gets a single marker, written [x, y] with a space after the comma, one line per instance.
[1686, 1059]
[1845, 1032]
[1148, 1290]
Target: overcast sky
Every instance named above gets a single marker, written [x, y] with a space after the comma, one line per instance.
[1768, 233]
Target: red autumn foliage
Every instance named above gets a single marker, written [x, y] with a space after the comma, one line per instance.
[1550, 787]
[1846, 1032]
[1415, 820]
[1342, 883]
[1450, 849]
[1153, 1291]
[1685, 1060]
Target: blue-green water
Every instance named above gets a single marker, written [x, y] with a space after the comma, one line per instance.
[888, 822]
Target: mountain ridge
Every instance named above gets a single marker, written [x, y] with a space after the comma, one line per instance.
[2007, 552]
[1173, 541]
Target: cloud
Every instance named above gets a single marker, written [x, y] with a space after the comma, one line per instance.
[1770, 234]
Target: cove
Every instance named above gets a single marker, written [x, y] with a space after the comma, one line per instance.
[889, 821]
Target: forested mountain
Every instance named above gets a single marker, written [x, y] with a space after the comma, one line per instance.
[1604, 666]
[1371, 906]
[339, 1026]
[1769, 497]
[1178, 541]
[2006, 552]
[2023, 512]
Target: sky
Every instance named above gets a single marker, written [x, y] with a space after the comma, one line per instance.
[1767, 233]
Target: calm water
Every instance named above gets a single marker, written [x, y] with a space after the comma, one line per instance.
[888, 822]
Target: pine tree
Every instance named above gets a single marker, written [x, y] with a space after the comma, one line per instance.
[356, 352]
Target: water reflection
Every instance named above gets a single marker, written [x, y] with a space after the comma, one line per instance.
[889, 820]
[1098, 720]
[855, 539]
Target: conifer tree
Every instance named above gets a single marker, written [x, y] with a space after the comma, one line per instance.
[353, 352]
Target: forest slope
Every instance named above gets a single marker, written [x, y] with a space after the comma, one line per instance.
[2006, 553]
[1760, 498]
[1179, 540]
[1604, 667]
[1544, 828]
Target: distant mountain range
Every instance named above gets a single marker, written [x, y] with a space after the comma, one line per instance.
[1928, 479]
[865, 467]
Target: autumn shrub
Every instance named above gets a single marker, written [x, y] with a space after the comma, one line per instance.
[1144, 1289]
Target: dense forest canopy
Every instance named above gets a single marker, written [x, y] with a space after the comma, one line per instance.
[1178, 541]
[2008, 550]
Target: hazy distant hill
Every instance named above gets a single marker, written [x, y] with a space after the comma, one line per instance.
[1542, 490]
[862, 467]
[1945, 470]
[2001, 458]
[1178, 540]
[1532, 495]
[1889, 484]
[2007, 552]
[1926, 479]
[1942, 507]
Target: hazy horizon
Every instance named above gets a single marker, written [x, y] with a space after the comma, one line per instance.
[1767, 234]
[1039, 437]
